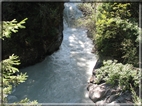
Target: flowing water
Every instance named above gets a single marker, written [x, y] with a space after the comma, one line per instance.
[61, 77]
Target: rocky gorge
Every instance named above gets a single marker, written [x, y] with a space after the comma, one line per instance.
[68, 68]
[43, 34]
[103, 93]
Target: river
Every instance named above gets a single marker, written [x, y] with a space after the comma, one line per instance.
[63, 76]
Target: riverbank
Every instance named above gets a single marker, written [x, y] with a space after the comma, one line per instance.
[102, 92]
[106, 94]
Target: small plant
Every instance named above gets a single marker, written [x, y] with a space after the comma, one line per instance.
[118, 74]
[137, 100]
[26, 102]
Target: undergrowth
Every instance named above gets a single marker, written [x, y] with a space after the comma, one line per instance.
[118, 74]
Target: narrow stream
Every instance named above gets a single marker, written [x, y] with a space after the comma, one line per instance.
[63, 76]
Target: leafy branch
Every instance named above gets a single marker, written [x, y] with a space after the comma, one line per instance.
[11, 26]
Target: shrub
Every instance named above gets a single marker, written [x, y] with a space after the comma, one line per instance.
[117, 38]
[117, 32]
[114, 29]
[118, 74]
[125, 11]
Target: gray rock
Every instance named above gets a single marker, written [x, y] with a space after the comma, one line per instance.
[112, 98]
[98, 64]
[100, 103]
[105, 93]
[92, 79]
[113, 104]
[97, 92]
[125, 98]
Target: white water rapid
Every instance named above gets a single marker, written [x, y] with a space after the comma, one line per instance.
[63, 76]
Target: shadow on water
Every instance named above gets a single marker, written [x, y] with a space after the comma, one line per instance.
[61, 77]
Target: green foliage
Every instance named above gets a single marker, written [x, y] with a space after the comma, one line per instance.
[117, 32]
[118, 38]
[112, 10]
[8, 66]
[8, 71]
[26, 102]
[137, 100]
[118, 74]
[11, 76]
[114, 29]
[11, 26]
[125, 11]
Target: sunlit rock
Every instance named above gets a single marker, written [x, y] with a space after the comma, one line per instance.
[97, 92]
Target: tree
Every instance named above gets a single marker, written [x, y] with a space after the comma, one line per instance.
[11, 76]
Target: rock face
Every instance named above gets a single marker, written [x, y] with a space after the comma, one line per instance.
[42, 35]
[105, 94]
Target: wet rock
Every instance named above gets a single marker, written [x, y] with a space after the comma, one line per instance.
[98, 64]
[112, 98]
[91, 86]
[100, 103]
[92, 79]
[103, 94]
[126, 97]
[97, 92]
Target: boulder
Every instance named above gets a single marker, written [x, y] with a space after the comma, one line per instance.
[97, 92]
[107, 94]
[43, 34]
